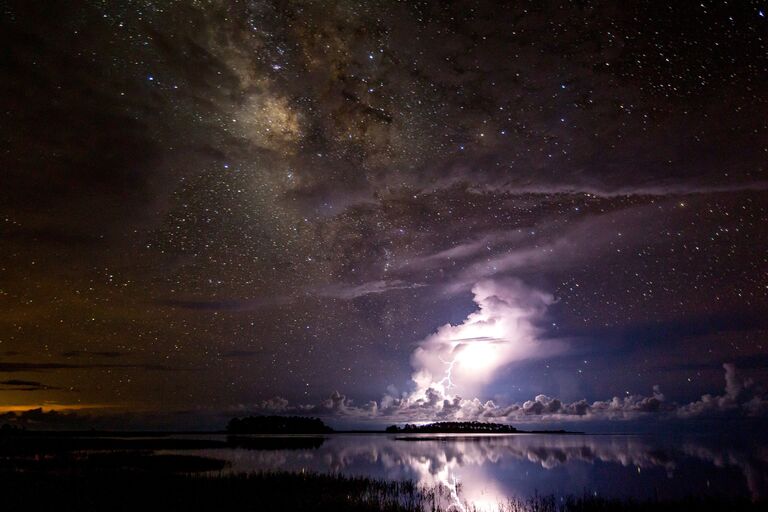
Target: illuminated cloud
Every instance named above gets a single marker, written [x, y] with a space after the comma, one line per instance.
[742, 398]
[460, 359]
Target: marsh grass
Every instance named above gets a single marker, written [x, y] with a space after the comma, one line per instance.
[142, 490]
[157, 489]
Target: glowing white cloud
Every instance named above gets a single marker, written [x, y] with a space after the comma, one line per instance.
[461, 359]
[742, 398]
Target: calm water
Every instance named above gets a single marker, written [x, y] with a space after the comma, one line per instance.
[488, 469]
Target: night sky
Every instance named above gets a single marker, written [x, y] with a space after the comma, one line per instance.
[209, 208]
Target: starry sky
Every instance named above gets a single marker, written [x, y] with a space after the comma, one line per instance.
[218, 206]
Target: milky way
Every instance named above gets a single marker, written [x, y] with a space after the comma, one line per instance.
[208, 205]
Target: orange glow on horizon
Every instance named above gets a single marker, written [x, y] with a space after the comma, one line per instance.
[47, 407]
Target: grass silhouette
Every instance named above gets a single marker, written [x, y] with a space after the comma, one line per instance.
[154, 487]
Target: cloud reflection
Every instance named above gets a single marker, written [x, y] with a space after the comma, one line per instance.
[491, 469]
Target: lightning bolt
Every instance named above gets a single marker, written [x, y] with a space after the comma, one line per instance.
[446, 381]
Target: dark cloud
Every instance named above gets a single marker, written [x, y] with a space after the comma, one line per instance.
[234, 305]
[82, 353]
[44, 366]
[17, 382]
[349, 292]
[24, 385]
[242, 353]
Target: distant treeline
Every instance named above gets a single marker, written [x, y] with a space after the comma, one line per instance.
[277, 425]
[453, 427]
[8, 430]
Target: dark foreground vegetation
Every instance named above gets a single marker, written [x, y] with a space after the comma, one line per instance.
[162, 490]
[150, 490]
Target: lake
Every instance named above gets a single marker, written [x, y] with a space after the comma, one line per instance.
[487, 469]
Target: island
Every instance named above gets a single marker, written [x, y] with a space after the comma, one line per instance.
[466, 427]
[453, 427]
[277, 425]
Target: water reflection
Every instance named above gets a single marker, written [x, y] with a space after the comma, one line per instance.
[485, 470]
